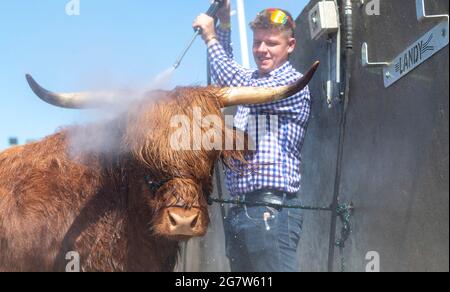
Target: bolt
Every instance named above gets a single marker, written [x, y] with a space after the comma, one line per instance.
[444, 33]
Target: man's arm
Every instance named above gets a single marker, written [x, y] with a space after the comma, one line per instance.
[224, 70]
[224, 38]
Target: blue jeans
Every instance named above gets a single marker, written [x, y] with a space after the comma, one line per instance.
[257, 245]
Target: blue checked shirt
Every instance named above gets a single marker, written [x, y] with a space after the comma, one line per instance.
[282, 125]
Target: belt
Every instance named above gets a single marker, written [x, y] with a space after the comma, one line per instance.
[271, 197]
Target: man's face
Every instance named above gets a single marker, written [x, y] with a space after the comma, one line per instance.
[271, 48]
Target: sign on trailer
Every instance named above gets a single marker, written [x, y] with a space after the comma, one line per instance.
[423, 49]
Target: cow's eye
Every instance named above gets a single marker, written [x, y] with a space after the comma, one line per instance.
[154, 186]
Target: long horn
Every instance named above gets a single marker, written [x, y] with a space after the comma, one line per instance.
[232, 96]
[76, 100]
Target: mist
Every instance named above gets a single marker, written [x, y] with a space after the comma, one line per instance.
[102, 129]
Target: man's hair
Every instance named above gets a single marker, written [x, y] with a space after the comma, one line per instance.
[265, 20]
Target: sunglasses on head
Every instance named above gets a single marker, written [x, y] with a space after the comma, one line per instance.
[278, 16]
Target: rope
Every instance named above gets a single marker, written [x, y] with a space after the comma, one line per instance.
[344, 211]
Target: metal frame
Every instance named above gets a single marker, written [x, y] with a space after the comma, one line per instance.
[421, 13]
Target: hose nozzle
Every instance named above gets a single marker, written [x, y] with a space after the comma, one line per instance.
[212, 11]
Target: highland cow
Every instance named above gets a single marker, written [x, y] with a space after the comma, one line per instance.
[125, 209]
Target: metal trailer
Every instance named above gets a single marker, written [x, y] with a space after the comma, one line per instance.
[378, 137]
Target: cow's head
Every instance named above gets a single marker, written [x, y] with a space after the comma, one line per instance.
[180, 209]
[175, 183]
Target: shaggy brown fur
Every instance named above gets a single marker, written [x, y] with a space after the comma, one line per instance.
[98, 204]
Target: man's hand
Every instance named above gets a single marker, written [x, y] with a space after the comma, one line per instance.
[206, 23]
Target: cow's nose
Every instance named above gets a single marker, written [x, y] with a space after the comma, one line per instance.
[183, 225]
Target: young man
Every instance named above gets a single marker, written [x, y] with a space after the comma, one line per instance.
[263, 239]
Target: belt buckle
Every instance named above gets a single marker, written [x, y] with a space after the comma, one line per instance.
[273, 200]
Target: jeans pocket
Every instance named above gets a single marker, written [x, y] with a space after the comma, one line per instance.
[260, 228]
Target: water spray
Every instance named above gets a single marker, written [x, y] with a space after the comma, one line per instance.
[212, 11]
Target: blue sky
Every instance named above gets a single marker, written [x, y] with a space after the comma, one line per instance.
[111, 44]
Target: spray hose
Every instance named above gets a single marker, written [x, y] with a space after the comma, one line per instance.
[212, 11]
